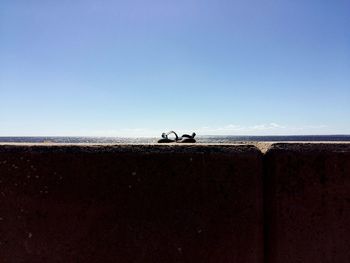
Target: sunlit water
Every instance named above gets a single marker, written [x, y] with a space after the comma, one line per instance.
[200, 139]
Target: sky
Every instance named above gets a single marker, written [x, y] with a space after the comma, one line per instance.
[140, 68]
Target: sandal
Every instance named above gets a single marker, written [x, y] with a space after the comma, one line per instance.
[165, 138]
[183, 139]
[187, 138]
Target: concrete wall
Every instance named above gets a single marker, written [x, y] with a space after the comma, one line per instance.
[307, 203]
[131, 204]
[180, 203]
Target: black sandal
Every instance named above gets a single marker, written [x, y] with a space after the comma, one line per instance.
[187, 138]
[165, 138]
[183, 139]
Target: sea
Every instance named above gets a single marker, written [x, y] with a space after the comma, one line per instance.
[200, 139]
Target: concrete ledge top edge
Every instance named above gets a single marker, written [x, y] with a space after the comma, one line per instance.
[310, 147]
[129, 148]
[261, 147]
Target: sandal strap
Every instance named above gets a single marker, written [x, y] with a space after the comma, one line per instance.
[189, 136]
[165, 135]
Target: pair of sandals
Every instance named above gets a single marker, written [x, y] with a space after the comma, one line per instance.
[183, 139]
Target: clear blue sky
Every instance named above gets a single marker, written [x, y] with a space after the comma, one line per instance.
[135, 67]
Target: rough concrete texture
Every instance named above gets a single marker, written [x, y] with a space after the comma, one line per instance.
[135, 203]
[307, 203]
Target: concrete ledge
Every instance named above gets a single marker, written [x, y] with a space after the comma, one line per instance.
[143, 203]
[307, 203]
[175, 203]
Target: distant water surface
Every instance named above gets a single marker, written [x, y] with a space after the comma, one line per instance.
[201, 139]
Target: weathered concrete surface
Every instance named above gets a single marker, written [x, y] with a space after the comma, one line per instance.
[130, 204]
[307, 203]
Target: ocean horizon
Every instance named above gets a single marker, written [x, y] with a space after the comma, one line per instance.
[200, 139]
